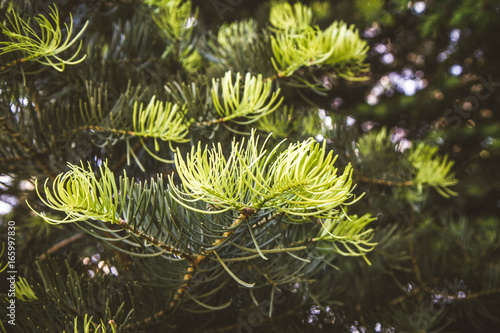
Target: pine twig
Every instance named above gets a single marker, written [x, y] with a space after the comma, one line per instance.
[56, 247]
[194, 264]
[480, 294]
[13, 63]
[123, 224]
[200, 258]
[102, 129]
[411, 248]
[267, 219]
[31, 156]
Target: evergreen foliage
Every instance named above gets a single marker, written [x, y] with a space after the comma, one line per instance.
[177, 173]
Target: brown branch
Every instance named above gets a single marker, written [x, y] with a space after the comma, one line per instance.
[124, 225]
[404, 297]
[415, 291]
[102, 129]
[267, 219]
[33, 155]
[210, 122]
[479, 294]
[200, 258]
[194, 264]
[411, 248]
[61, 244]
[13, 63]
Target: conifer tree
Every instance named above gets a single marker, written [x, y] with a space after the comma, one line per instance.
[176, 172]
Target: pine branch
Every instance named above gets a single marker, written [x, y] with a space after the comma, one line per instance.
[45, 46]
[194, 263]
[170, 249]
[302, 181]
[432, 169]
[337, 46]
[200, 258]
[253, 103]
[287, 19]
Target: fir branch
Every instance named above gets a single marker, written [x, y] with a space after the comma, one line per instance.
[479, 294]
[398, 300]
[157, 121]
[337, 47]
[81, 196]
[194, 263]
[302, 181]
[181, 254]
[252, 105]
[241, 103]
[287, 19]
[36, 47]
[433, 169]
[31, 156]
[200, 258]
[164, 121]
[350, 232]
